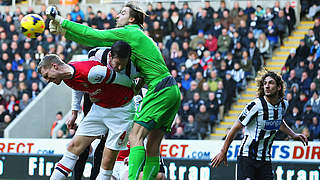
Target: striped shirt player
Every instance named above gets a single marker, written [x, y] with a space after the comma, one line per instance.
[261, 120]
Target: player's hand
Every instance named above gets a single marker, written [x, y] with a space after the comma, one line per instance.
[71, 122]
[218, 159]
[302, 138]
[52, 14]
[55, 28]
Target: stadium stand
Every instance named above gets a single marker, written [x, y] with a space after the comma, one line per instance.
[213, 53]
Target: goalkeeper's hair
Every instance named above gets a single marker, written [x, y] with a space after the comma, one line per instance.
[121, 49]
[137, 13]
[47, 61]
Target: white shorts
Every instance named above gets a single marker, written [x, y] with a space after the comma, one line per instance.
[116, 121]
[120, 170]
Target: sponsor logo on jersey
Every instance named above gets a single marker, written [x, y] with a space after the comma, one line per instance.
[272, 124]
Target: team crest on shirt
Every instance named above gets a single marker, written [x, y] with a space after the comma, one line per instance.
[272, 124]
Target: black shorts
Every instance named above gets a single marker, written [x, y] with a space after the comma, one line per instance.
[252, 169]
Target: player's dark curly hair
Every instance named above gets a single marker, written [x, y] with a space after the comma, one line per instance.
[137, 13]
[263, 75]
[120, 49]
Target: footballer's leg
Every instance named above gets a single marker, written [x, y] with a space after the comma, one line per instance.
[119, 122]
[137, 151]
[152, 164]
[108, 160]
[77, 145]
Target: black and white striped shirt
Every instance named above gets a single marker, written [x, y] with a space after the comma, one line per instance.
[261, 120]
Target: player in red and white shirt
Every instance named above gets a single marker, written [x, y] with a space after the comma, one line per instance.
[112, 110]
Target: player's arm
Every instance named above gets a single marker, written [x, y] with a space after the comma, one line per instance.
[94, 37]
[222, 156]
[80, 33]
[287, 130]
[76, 101]
[245, 118]
[103, 74]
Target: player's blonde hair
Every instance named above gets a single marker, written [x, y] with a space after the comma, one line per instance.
[47, 62]
[262, 75]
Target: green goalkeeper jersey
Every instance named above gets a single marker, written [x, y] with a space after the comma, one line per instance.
[146, 56]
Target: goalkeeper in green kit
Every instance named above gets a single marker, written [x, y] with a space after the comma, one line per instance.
[158, 108]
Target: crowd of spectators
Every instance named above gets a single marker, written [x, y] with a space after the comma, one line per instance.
[210, 52]
[19, 57]
[302, 76]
